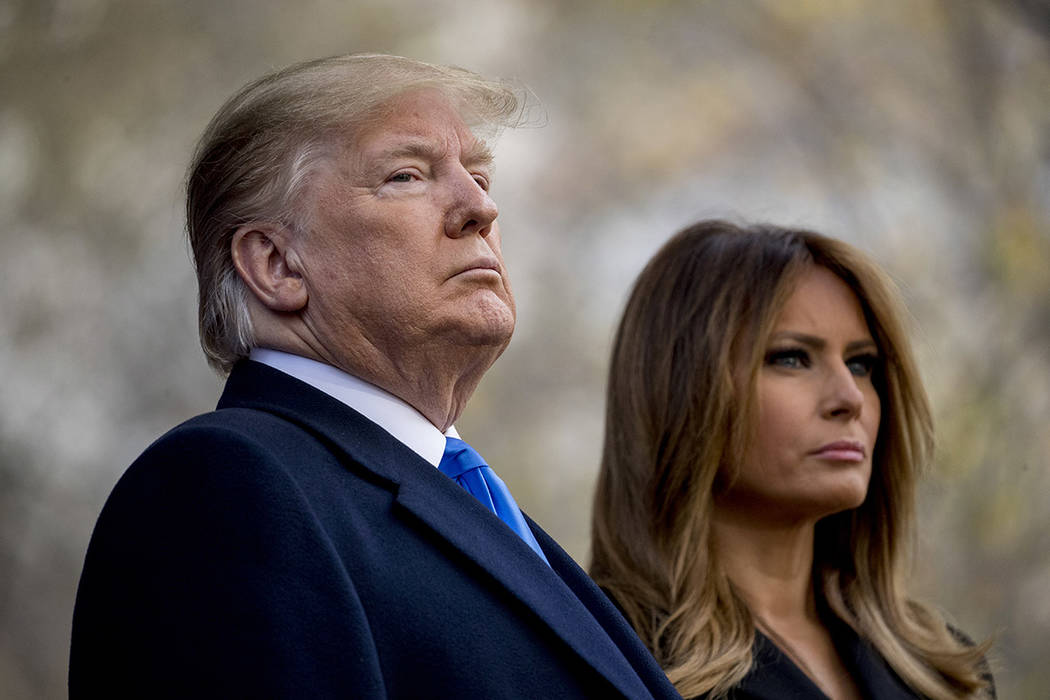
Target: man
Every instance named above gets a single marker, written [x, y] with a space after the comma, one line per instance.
[304, 540]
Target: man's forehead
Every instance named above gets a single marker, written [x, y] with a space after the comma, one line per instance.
[424, 124]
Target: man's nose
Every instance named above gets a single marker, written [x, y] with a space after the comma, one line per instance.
[471, 208]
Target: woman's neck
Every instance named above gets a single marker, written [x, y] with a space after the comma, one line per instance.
[770, 565]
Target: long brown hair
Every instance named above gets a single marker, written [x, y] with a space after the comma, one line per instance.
[677, 420]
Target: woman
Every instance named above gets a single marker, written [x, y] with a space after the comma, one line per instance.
[765, 429]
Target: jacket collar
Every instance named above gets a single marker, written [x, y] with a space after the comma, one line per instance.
[774, 675]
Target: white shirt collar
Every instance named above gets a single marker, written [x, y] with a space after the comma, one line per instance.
[381, 407]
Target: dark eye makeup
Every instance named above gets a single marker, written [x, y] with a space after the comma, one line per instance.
[788, 358]
[861, 365]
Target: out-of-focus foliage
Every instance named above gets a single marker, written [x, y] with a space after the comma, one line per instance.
[917, 129]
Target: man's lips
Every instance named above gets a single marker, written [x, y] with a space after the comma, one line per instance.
[842, 451]
[481, 266]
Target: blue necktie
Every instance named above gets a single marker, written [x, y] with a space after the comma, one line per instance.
[465, 466]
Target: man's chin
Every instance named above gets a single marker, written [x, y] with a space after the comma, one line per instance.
[492, 335]
[488, 325]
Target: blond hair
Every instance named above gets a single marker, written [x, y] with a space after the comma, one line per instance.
[677, 422]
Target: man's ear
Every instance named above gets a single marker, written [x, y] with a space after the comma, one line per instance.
[268, 266]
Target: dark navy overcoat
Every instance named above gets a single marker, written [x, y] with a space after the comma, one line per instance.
[284, 546]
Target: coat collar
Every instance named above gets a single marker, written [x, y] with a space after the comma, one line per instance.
[437, 503]
[774, 675]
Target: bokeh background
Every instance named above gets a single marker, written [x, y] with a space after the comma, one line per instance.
[917, 129]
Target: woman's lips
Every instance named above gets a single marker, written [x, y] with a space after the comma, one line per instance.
[842, 451]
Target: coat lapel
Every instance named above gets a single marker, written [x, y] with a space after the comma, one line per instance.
[443, 507]
[499, 552]
[869, 668]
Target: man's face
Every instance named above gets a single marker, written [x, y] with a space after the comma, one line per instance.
[403, 252]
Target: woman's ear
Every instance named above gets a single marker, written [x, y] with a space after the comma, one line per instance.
[268, 266]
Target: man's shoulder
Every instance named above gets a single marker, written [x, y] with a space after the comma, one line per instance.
[228, 428]
[230, 444]
[233, 423]
[238, 445]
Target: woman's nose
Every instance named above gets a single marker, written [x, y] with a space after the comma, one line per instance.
[843, 397]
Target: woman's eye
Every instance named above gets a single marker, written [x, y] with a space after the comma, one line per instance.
[794, 358]
[862, 365]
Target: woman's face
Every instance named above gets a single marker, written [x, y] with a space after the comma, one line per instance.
[817, 409]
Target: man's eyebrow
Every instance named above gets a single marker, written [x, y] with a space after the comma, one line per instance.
[414, 149]
[818, 343]
[476, 153]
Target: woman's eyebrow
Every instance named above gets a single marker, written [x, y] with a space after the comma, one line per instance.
[818, 343]
[866, 344]
[812, 341]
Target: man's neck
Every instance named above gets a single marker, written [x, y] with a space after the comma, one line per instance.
[438, 384]
[433, 375]
[381, 407]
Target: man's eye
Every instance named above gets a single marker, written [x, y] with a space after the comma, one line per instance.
[794, 358]
[401, 177]
[482, 181]
[862, 365]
